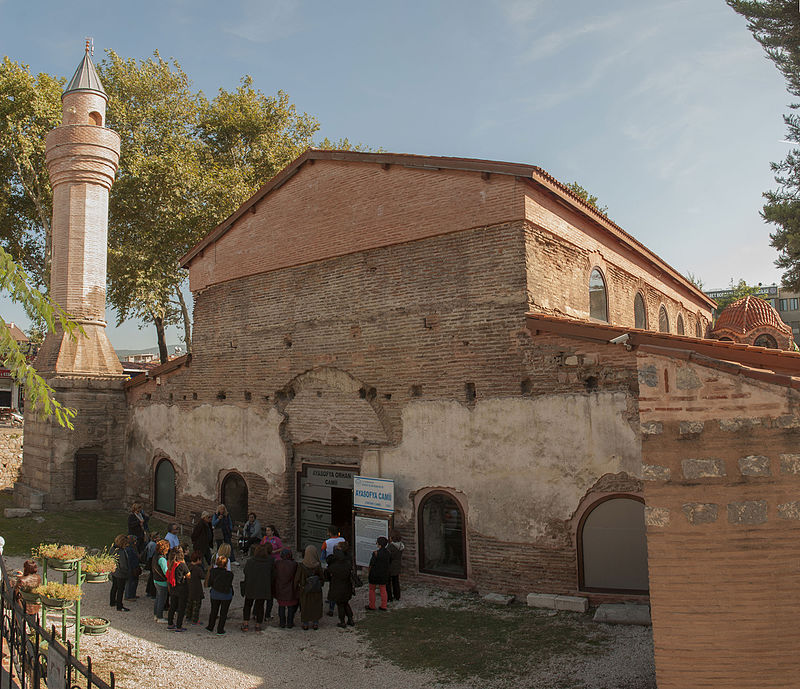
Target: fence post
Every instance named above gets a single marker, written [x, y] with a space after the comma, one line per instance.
[36, 673]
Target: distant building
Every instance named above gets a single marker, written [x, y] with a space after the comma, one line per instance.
[12, 394]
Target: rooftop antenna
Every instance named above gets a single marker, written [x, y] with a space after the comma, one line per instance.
[90, 46]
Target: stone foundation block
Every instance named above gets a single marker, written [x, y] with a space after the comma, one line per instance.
[691, 427]
[656, 516]
[499, 598]
[747, 513]
[790, 464]
[625, 613]
[703, 468]
[754, 465]
[15, 512]
[572, 603]
[541, 600]
[700, 512]
[654, 472]
[652, 428]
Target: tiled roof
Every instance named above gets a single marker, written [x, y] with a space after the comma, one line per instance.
[16, 333]
[749, 313]
[533, 173]
[773, 365]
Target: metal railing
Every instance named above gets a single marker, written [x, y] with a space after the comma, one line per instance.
[32, 657]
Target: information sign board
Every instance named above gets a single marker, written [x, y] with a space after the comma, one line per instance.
[367, 532]
[373, 493]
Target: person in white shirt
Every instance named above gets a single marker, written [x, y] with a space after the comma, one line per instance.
[172, 536]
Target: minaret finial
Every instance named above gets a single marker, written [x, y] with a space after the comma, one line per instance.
[90, 46]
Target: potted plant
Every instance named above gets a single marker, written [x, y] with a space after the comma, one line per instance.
[55, 595]
[94, 625]
[98, 567]
[62, 558]
[29, 595]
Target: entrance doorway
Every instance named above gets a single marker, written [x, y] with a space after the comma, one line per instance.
[234, 497]
[325, 497]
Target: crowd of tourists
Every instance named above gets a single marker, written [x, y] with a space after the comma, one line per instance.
[180, 574]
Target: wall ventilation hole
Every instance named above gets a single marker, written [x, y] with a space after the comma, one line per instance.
[221, 395]
[590, 383]
[526, 386]
[148, 396]
[287, 342]
[248, 395]
[469, 389]
[387, 396]
[362, 393]
[194, 395]
[416, 391]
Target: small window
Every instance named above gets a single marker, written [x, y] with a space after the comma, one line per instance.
[679, 325]
[598, 299]
[165, 487]
[766, 341]
[698, 329]
[96, 118]
[442, 543]
[85, 476]
[639, 312]
[663, 320]
[788, 304]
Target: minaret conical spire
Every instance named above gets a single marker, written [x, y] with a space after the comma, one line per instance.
[85, 77]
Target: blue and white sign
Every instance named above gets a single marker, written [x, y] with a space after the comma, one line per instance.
[373, 493]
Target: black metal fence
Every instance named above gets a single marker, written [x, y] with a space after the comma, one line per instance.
[34, 658]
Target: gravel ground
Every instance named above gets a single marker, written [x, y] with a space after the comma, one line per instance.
[145, 655]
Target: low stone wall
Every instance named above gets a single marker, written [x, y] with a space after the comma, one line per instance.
[10, 455]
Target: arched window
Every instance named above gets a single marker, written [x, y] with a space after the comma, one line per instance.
[639, 312]
[612, 546]
[766, 341]
[698, 329]
[663, 320]
[442, 542]
[234, 496]
[96, 118]
[598, 298]
[164, 487]
[679, 325]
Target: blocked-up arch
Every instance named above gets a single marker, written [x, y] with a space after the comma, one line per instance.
[442, 534]
[612, 546]
[164, 486]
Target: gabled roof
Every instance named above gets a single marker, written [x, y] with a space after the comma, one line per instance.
[533, 174]
[85, 78]
[760, 363]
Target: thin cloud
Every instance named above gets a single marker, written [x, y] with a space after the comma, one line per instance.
[263, 22]
[557, 41]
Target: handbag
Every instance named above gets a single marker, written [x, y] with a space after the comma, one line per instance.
[313, 584]
[241, 589]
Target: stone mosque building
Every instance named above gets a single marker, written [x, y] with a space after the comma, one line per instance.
[543, 390]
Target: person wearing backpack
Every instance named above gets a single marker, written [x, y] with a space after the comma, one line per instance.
[178, 585]
[159, 570]
[379, 573]
[308, 581]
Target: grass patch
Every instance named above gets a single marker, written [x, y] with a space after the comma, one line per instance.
[90, 528]
[475, 641]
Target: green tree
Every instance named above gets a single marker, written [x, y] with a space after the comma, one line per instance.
[592, 200]
[775, 24]
[737, 291]
[15, 283]
[695, 280]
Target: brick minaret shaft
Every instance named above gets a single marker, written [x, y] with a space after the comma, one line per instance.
[82, 158]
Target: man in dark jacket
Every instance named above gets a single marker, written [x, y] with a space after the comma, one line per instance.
[379, 573]
[202, 536]
[258, 575]
[339, 573]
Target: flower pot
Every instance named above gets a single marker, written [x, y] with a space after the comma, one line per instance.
[96, 577]
[29, 596]
[62, 565]
[90, 625]
[57, 603]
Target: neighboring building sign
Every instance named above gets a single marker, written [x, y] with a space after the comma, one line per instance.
[368, 531]
[373, 493]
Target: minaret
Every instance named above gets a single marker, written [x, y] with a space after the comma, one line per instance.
[83, 468]
[82, 158]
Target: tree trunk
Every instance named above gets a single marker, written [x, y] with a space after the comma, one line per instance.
[187, 321]
[162, 339]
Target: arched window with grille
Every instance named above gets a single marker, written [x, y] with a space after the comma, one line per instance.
[679, 325]
[698, 328]
[442, 536]
[164, 479]
[639, 312]
[598, 297]
[663, 320]
[612, 547]
[767, 341]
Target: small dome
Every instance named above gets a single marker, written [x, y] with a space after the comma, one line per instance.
[749, 313]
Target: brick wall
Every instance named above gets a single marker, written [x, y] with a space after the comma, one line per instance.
[719, 454]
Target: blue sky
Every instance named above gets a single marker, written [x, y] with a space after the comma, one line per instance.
[668, 112]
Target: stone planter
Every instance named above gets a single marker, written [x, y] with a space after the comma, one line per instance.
[94, 625]
[96, 577]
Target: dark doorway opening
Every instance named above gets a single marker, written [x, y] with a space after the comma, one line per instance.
[342, 511]
[234, 497]
[85, 476]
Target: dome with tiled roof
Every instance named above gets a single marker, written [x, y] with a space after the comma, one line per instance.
[749, 313]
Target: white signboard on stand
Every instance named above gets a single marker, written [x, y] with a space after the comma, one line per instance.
[373, 493]
[367, 532]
